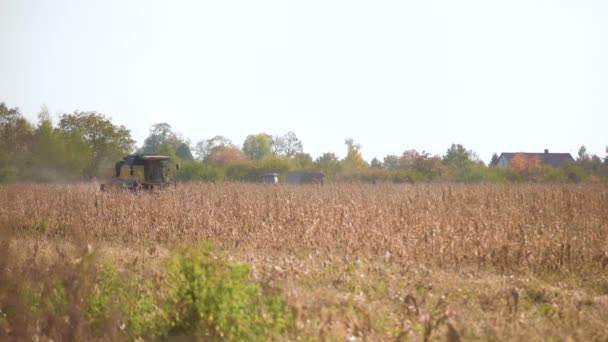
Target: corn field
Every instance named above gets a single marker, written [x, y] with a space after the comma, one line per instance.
[359, 262]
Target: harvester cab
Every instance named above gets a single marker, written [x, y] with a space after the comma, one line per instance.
[142, 172]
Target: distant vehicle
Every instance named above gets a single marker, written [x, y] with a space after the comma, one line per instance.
[305, 177]
[142, 172]
[270, 178]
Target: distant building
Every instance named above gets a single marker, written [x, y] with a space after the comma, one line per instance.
[546, 158]
[270, 178]
[305, 177]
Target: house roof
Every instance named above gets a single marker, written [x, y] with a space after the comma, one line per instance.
[147, 156]
[552, 159]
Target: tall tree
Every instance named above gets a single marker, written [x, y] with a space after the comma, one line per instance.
[458, 156]
[431, 167]
[391, 162]
[183, 152]
[460, 162]
[303, 160]
[78, 156]
[166, 149]
[354, 160]
[494, 160]
[160, 133]
[288, 145]
[376, 164]
[106, 141]
[257, 146]
[408, 159]
[16, 139]
[583, 156]
[207, 147]
[48, 150]
[328, 162]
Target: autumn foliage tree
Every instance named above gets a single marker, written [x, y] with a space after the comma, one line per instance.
[225, 156]
[206, 147]
[425, 165]
[526, 168]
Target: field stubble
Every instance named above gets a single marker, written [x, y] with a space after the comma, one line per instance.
[362, 261]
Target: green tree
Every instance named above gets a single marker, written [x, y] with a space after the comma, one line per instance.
[303, 160]
[583, 156]
[288, 145]
[16, 139]
[183, 152]
[595, 165]
[257, 146]
[206, 147]
[48, 151]
[591, 164]
[77, 156]
[166, 149]
[376, 164]
[160, 133]
[457, 156]
[494, 160]
[391, 162]
[328, 162]
[106, 141]
[460, 161]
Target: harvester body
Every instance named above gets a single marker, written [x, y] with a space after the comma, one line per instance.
[142, 172]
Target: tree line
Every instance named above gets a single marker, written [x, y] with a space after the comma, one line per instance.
[83, 146]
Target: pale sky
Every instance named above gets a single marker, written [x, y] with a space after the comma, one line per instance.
[494, 76]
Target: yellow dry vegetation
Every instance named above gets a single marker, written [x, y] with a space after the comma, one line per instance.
[359, 262]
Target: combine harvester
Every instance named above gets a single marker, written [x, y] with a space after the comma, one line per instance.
[142, 172]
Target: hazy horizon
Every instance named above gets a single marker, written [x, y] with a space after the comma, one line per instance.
[518, 77]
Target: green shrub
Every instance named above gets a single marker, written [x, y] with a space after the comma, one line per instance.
[143, 317]
[554, 175]
[214, 300]
[198, 294]
[574, 173]
[243, 171]
[8, 174]
[57, 298]
[196, 171]
[105, 290]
